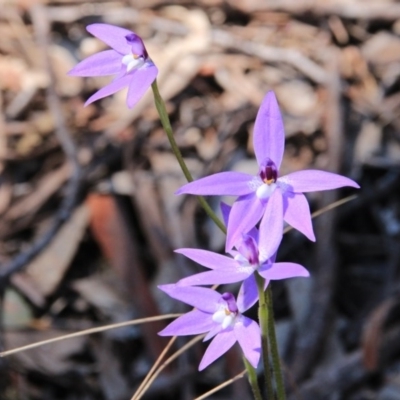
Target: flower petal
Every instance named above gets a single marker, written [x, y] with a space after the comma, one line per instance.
[269, 133]
[218, 346]
[245, 214]
[282, 270]
[297, 214]
[111, 88]
[248, 293]
[114, 36]
[223, 183]
[202, 298]
[313, 180]
[209, 259]
[226, 210]
[248, 334]
[271, 226]
[214, 331]
[142, 80]
[217, 277]
[192, 323]
[106, 62]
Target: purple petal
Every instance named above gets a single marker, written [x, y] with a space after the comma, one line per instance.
[218, 346]
[313, 180]
[248, 293]
[217, 277]
[271, 226]
[248, 334]
[282, 270]
[269, 134]
[214, 331]
[204, 299]
[106, 62]
[111, 88]
[298, 215]
[114, 36]
[192, 323]
[223, 183]
[209, 259]
[226, 210]
[142, 80]
[245, 214]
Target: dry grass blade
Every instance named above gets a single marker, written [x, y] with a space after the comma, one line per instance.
[221, 386]
[168, 361]
[89, 331]
[325, 209]
[155, 366]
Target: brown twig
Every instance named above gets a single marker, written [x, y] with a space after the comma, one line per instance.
[41, 26]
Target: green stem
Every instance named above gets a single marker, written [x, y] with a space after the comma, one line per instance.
[280, 387]
[162, 111]
[251, 373]
[263, 317]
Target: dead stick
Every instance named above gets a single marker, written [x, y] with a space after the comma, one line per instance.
[41, 25]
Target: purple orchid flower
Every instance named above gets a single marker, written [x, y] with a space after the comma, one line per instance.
[128, 59]
[255, 251]
[256, 193]
[218, 315]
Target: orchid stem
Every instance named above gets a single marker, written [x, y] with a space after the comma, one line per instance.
[263, 317]
[276, 363]
[252, 375]
[162, 112]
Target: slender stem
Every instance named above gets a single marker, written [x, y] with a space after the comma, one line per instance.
[162, 111]
[280, 387]
[263, 318]
[252, 375]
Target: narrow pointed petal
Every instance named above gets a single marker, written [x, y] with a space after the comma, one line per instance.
[114, 36]
[313, 180]
[282, 270]
[218, 346]
[202, 298]
[245, 214]
[192, 323]
[248, 334]
[248, 294]
[217, 277]
[269, 133]
[271, 226]
[113, 87]
[226, 210]
[298, 214]
[214, 331]
[209, 259]
[142, 80]
[223, 183]
[106, 62]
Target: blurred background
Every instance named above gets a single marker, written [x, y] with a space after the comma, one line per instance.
[89, 221]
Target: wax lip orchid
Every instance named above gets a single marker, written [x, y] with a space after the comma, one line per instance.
[128, 60]
[255, 252]
[256, 192]
[220, 316]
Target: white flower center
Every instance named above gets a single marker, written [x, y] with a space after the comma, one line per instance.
[243, 261]
[265, 190]
[224, 317]
[132, 62]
